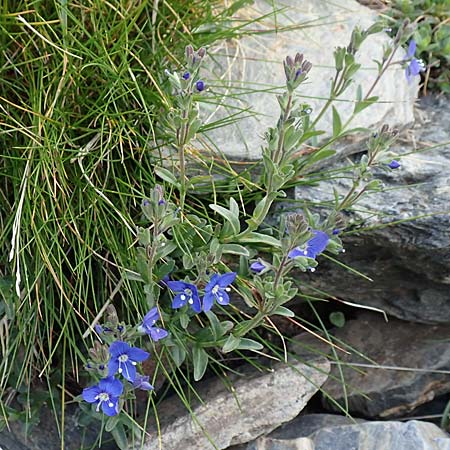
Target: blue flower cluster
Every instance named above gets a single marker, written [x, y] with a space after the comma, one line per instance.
[216, 290]
[415, 66]
[123, 360]
[311, 249]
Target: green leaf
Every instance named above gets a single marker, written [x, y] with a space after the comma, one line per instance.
[200, 360]
[282, 311]
[167, 175]
[229, 216]
[337, 318]
[111, 423]
[231, 344]
[119, 435]
[235, 249]
[249, 344]
[259, 238]
[234, 207]
[215, 325]
[337, 124]
[320, 155]
[178, 354]
[184, 320]
[363, 104]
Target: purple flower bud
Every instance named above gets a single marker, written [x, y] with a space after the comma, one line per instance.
[120, 328]
[146, 202]
[200, 85]
[101, 367]
[257, 266]
[394, 164]
[161, 202]
[186, 75]
[336, 231]
[297, 74]
[98, 329]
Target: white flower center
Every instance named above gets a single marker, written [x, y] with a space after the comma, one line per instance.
[123, 358]
[215, 289]
[102, 397]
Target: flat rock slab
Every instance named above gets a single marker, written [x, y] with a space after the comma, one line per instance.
[409, 259]
[386, 392]
[257, 403]
[251, 70]
[412, 435]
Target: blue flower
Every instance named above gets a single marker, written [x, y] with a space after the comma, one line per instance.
[124, 359]
[217, 289]
[415, 65]
[186, 294]
[258, 266]
[148, 325]
[186, 75]
[200, 85]
[394, 164]
[141, 382]
[105, 394]
[316, 245]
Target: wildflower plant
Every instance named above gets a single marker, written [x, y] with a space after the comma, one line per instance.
[192, 268]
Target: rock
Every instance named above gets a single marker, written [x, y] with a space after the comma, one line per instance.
[409, 260]
[46, 435]
[378, 392]
[364, 436]
[254, 63]
[257, 404]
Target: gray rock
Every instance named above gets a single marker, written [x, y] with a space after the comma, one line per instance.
[257, 404]
[46, 435]
[412, 435]
[254, 63]
[387, 392]
[408, 260]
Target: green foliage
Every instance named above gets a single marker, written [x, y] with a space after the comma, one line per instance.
[432, 35]
[87, 106]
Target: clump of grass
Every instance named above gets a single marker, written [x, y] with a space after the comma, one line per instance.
[81, 90]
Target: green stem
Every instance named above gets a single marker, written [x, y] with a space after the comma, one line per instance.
[281, 131]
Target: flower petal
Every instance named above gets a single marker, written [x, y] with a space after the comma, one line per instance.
[158, 333]
[137, 354]
[415, 67]
[196, 305]
[226, 279]
[128, 371]
[257, 266]
[297, 251]
[408, 74]
[111, 386]
[118, 348]
[208, 301]
[111, 410]
[90, 393]
[412, 48]
[212, 282]
[177, 286]
[113, 366]
[177, 302]
[317, 244]
[151, 317]
[222, 298]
